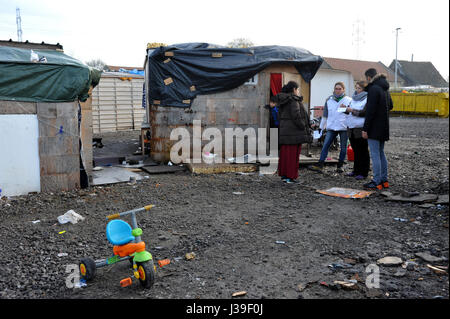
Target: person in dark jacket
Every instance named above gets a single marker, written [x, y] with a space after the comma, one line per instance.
[376, 126]
[293, 132]
[273, 112]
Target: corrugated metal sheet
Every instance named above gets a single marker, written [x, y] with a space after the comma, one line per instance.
[117, 104]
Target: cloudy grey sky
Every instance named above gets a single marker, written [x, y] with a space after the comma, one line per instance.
[118, 31]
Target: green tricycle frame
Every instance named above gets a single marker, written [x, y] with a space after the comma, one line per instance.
[127, 246]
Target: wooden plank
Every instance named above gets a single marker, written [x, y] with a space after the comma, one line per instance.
[163, 169]
[60, 182]
[59, 145]
[216, 168]
[17, 107]
[61, 164]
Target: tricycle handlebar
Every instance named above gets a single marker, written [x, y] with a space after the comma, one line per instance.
[114, 216]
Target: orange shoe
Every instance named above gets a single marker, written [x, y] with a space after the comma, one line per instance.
[373, 185]
[385, 184]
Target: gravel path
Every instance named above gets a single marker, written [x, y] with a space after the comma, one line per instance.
[272, 241]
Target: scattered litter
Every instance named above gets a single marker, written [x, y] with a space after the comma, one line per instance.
[247, 158]
[390, 261]
[400, 219]
[238, 193]
[208, 157]
[62, 232]
[169, 163]
[280, 242]
[163, 262]
[323, 283]
[36, 221]
[350, 261]
[350, 284]
[345, 192]
[97, 168]
[357, 278]
[70, 216]
[239, 294]
[132, 180]
[438, 270]
[337, 266]
[178, 258]
[126, 282]
[410, 265]
[80, 284]
[63, 254]
[190, 256]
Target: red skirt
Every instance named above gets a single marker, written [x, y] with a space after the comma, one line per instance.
[289, 160]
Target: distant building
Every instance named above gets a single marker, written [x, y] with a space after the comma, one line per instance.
[347, 71]
[419, 74]
[31, 45]
[115, 68]
[358, 67]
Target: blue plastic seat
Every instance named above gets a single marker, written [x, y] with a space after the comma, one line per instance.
[118, 232]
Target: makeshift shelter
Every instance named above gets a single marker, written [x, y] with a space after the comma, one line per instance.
[41, 120]
[222, 87]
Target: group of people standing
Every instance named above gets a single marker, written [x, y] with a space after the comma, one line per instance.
[363, 119]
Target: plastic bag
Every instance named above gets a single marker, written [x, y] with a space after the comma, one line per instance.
[70, 216]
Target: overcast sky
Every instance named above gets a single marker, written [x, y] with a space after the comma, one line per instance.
[117, 32]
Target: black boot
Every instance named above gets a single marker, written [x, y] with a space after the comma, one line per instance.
[317, 167]
[340, 166]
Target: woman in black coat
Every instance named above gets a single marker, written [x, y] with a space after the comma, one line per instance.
[294, 131]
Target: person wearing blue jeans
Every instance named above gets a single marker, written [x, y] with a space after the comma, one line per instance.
[329, 138]
[334, 121]
[376, 126]
[379, 161]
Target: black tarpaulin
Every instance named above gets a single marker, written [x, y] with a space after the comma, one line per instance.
[178, 73]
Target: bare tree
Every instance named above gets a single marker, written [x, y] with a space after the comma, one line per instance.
[98, 64]
[240, 43]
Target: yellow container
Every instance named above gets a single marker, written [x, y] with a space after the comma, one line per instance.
[433, 104]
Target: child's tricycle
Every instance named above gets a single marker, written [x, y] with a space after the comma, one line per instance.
[127, 246]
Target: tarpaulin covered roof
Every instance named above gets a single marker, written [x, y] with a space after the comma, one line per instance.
[43, 76]
[178, 73]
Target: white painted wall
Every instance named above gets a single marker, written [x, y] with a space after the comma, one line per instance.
[322, 85]
[19, 154]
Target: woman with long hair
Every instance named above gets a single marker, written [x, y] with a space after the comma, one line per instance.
[294, 131]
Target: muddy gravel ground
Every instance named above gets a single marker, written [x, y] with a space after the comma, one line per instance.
[272, 240]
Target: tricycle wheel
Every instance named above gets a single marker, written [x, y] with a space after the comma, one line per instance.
[146, 272]
[87, 269]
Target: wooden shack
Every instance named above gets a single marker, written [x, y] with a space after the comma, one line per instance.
[241, 107]
[45, 122]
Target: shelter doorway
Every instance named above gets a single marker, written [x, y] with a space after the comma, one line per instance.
[276, 83]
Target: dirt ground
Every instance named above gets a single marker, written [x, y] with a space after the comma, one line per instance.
[273, 240]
